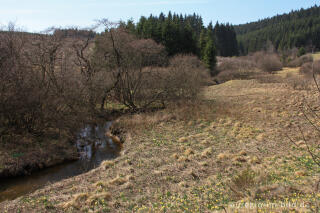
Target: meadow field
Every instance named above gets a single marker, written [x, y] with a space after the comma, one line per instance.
[228, 151]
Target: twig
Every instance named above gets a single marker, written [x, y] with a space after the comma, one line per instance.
[314, 157]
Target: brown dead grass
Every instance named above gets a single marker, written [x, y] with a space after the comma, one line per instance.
[228, 148]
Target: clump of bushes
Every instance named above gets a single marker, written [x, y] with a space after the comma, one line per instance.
[185, 76]
[248, 67]
[310, 67]
[140, 72]
[181, 79]
[50, 82]
[41, 88]
[299, 83]
[268, 62]
[298, 62]
[231, 63]
[235, 68]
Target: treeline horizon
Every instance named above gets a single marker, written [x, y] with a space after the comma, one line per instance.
[187, 34]
[296, 29]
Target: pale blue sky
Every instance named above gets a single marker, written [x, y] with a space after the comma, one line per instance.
[37, 15]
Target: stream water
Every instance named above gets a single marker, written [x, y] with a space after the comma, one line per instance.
[93, 146]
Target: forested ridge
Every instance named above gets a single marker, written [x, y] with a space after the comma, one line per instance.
[187, 33]
[299, 28]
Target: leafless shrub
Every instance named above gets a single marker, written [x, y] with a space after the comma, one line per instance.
[268, 62]
[137, 69]
[41, 89]
[300, 82]
[123, 59]
[185, 76]
[16, 83]
[236, 68]
[55, 82]
[148, 52]
[249, 67]
[241, 63]
[288, 55]
[310, 68]
[268, 78]
[236, 75]
[182, 79]
[297, 62]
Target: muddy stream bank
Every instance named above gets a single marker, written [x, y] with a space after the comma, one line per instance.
[93, 146]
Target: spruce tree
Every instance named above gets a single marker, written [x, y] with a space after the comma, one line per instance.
[202, 43]
[209, 57]
[301, 51]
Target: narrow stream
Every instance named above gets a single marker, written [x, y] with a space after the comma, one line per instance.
[93, 146]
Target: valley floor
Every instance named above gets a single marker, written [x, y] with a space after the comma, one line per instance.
[228, 152]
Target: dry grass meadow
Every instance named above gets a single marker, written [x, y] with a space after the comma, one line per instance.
[215, 155]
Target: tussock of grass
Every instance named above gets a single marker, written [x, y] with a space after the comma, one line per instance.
[184, 159]
[301, 173]
[81, 197]
[107, 164]
[260, 137]
[204, 163]
[80, 201]
[118, 181]
[254, 160]
[106, 196]
[100, 184]
[243, 152]
[188, 152]
[175, 156]
[182, 139]
[223, 156]
[205, 157]
[77, 201]
[239, 159]
[207, 152]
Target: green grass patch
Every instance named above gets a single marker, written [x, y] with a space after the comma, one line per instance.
[17, 154]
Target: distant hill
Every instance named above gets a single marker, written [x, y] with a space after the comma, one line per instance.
[295, 29]
[65, 33]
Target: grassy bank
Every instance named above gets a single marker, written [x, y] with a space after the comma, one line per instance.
[28, 153]
[217, 154]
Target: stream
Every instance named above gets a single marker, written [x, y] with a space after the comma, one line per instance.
[93, 147]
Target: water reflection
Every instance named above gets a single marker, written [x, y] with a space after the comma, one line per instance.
[93, 146]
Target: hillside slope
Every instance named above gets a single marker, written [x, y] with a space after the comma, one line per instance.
[295, 29]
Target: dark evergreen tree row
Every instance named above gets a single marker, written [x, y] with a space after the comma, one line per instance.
[186, 34]
[227, 44]
[299, 28]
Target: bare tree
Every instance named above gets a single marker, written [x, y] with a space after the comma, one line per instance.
[40, 88]
[51, 81]
[124, 58]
